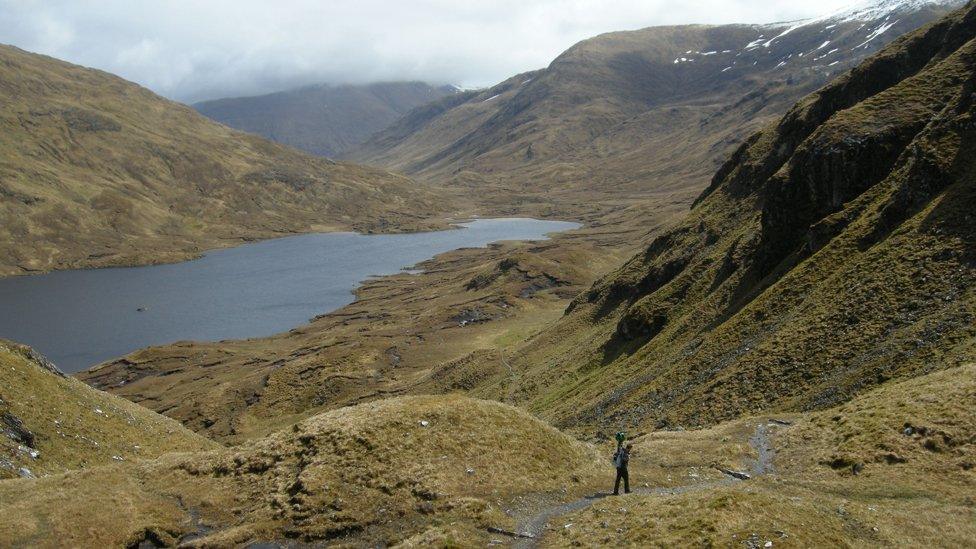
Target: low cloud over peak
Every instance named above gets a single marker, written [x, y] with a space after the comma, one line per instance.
[190, 50]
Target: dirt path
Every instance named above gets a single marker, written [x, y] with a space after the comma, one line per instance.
[532, 528]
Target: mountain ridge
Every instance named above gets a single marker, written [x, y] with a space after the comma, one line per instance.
[325, 120]
[633, 112]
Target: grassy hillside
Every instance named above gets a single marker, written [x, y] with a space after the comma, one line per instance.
[894, 466]
[98, 171]
[912, 442]
[425, 469]
[323, 120]
[833, 252]
[50, 423]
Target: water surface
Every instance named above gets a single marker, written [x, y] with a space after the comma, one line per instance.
[83, 317]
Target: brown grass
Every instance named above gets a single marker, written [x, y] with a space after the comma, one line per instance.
[373, 473]
[75, 426]
[98, 171]
[924, 497]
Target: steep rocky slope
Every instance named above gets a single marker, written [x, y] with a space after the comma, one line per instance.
[832, 252]
[50, 423]
[323, 120]
[631, 112]
[98, 171]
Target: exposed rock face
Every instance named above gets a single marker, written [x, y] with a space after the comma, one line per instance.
[29, 353]
[13, 428]
[833, 251]
[84, 120]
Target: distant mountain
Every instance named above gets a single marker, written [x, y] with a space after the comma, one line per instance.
[323, 120]
[97, 171]
[656, 109]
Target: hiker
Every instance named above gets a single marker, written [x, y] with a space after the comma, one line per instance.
[620, 461]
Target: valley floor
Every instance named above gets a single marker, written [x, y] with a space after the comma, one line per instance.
[399, 337]
[358, 466]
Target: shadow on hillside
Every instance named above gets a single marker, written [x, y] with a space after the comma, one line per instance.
[618, 346]
[955, 215]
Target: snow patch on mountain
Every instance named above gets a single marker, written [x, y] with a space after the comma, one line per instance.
[861, 24]
[876, 33]
[876, 17]
[867, 12]
[878, 9]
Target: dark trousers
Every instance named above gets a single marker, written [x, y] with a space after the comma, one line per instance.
[621, 474]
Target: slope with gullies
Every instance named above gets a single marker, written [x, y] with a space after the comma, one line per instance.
[51, 423]
[97, 171]
[419, 470]
[833, 252]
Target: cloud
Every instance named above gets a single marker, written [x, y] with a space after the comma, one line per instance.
[191, 50]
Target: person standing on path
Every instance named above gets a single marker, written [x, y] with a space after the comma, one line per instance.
[620, 461]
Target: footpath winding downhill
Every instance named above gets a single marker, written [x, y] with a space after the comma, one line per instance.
[532, 527]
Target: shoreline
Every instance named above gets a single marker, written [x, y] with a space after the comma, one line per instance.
[169, 257]
[244, 329]
[123, 260]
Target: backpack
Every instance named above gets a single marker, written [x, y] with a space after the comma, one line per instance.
[618, 459]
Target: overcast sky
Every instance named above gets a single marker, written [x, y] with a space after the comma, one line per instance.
[199, 49]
